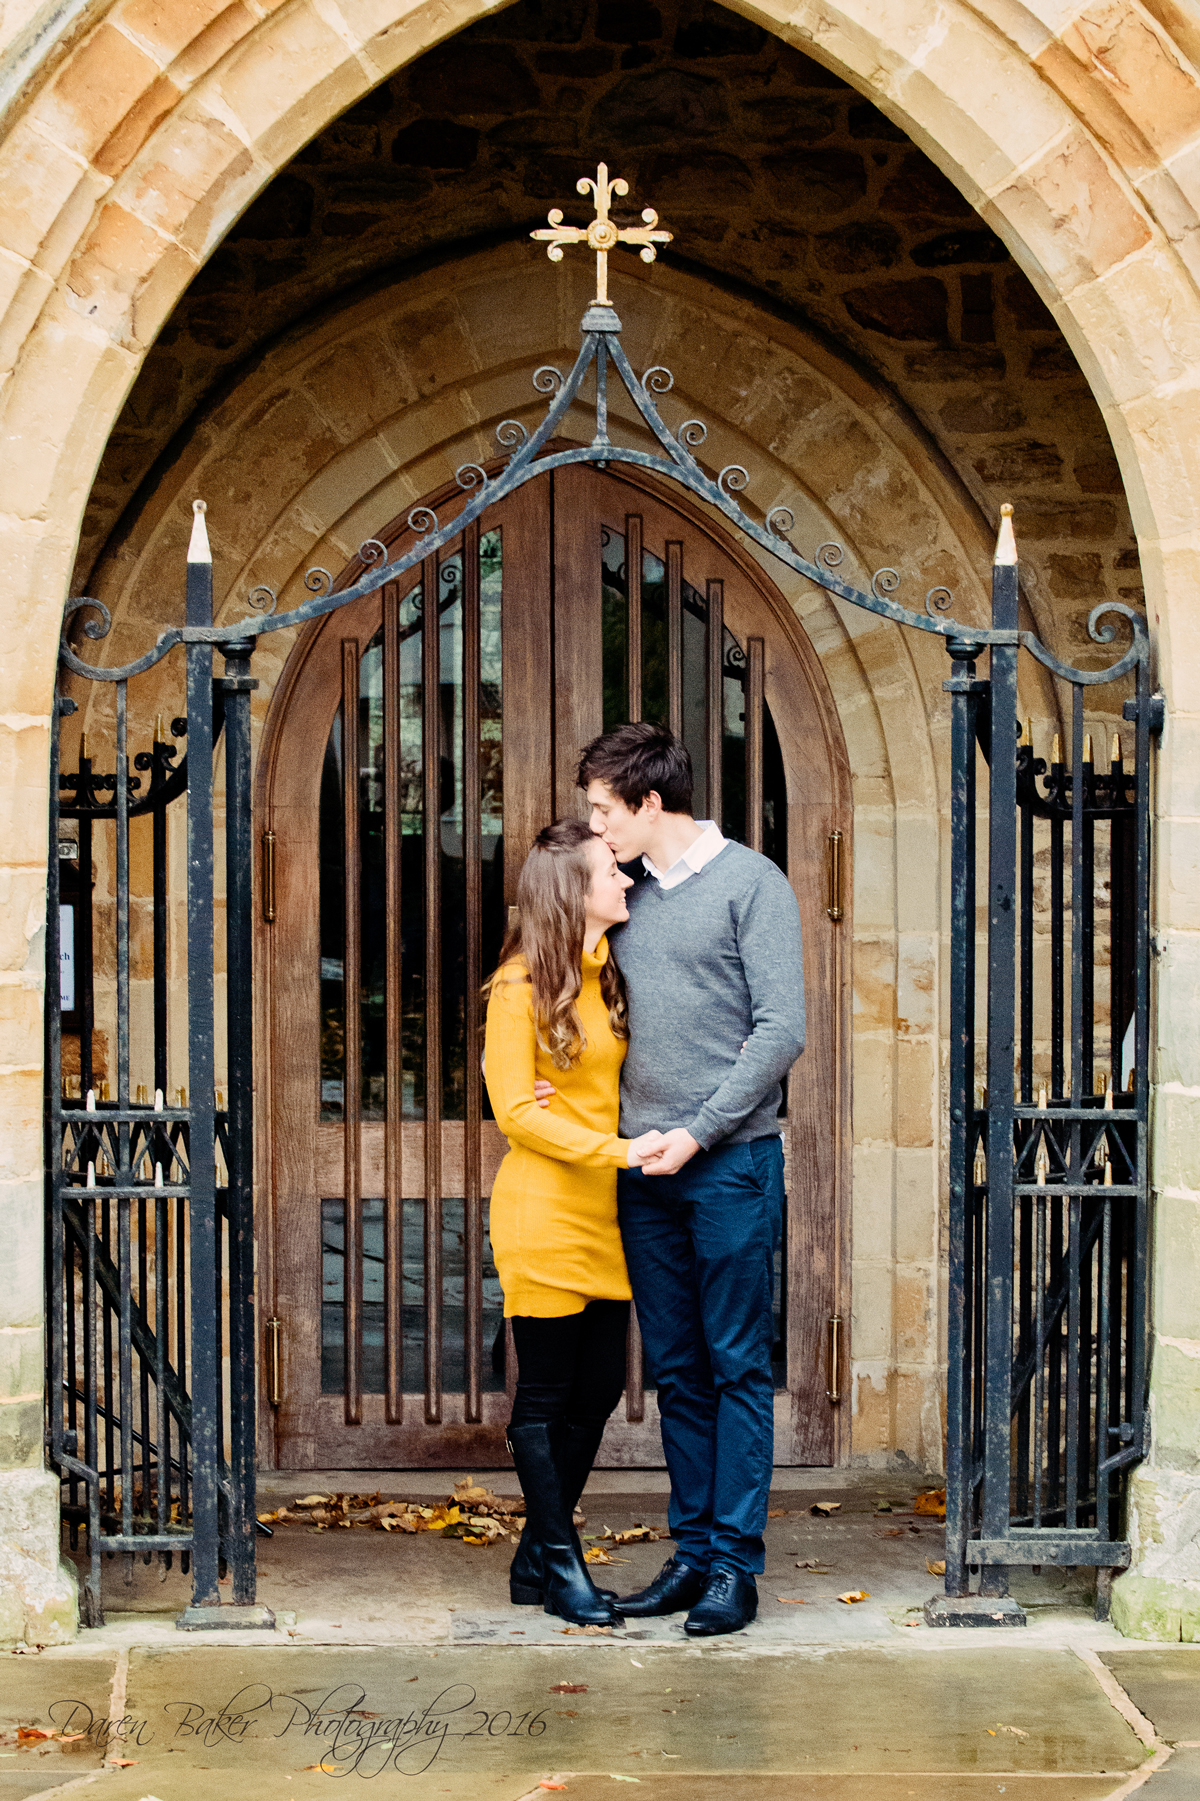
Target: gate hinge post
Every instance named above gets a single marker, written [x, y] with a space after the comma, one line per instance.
[1157, 710]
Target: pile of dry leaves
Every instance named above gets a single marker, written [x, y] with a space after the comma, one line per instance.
[472, 1513]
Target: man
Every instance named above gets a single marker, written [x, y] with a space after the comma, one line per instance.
[713, 966]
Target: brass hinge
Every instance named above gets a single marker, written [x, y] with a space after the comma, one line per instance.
[834, 909]
[268, 877]
[275, 1329]
[833, 1359]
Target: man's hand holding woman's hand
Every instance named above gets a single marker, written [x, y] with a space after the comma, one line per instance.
[640, 1149]
[675, 1148]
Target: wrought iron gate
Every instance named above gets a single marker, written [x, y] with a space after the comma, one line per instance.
[152, 1332]
[151, 1233]
[1049, 1178]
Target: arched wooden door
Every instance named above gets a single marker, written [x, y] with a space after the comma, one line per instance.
[582, 600]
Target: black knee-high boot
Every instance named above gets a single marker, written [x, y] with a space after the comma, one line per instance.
[575, 1448]
[567, 1588]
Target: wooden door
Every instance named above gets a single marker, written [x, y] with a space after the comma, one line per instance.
[581, 601]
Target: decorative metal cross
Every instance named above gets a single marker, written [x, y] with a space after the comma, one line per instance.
[602, 235]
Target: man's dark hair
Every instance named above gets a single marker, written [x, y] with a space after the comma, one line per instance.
[636, 760]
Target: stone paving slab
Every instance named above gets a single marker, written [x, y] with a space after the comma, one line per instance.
[205, 1721]
[929, 1786]
[1164, 1683]
[34, 1694]
[1178, 1780]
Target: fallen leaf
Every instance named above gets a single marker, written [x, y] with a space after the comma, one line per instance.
[791, 1601]
[815, 1565]
[29, 1735]
[121, 1763]
[1015, 1731]
[313, 1501]
[931, 1502]
[587, 1631]
[825, 1508]
[884, 1507]
[937, 1568]
[594, 1554]
[552, 1785]
[569, 1688]
[889, 1531]
[326, 1768]
[777, 1513]
[854, 1594]
[636, 1664]
[625, 1778]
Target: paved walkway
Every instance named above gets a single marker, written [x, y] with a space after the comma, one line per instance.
[396, 1659]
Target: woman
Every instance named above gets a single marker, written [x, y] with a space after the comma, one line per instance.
[556, 1009]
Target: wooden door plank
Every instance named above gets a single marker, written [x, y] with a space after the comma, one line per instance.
[526, 672]
[578, 652]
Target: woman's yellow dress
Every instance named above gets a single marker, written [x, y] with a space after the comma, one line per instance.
[554, 1227]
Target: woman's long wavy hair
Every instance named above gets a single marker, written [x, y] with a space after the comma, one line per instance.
[547, 933]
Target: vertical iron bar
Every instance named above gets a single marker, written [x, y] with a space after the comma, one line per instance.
[61, 1310]
[1001, 1031]
[93, 1606]
[754, 743]
[162, 1266]
[473, 1020]
[1079, 880]
[633, 614]
[1039, 1363]
[159, 865]
[963, 1198]
[393, 1131]
[675, 638]
[1056, 949]
[84, 924]
[1088, 899]
[1141, 1036]
[431, 758]
[714, 698]
[239, 1012]
[206, 1373]
[1103, 1328]
[1071, 1497]
[352, 1074]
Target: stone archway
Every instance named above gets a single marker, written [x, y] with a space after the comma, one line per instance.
[140, 137]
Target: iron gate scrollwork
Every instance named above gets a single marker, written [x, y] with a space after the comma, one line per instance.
[152, 1332]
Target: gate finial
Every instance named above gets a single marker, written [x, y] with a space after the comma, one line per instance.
[198, 550]
[1006, 543]
[601, 235]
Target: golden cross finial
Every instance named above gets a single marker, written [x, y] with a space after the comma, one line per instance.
[602, 235]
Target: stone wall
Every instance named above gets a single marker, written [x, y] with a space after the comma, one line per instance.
[775, 176]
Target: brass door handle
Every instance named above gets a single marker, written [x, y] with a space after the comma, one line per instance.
[274, 1329]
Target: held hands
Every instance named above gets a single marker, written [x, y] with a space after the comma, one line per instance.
[654, 1153]
[640, 1149]
[674, 1150]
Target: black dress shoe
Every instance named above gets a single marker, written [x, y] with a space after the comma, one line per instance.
[729, 1602]
[676, 1586]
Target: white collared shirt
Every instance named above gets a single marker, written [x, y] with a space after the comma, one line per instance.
[697, 854]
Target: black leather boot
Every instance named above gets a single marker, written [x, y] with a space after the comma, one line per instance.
[575, 1450]
[567, 1588]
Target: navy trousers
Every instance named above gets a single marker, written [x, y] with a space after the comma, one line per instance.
[700, 1247]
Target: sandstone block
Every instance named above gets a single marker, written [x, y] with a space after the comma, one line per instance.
[40, 1605]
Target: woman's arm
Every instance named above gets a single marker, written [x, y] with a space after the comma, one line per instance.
[510, 1047]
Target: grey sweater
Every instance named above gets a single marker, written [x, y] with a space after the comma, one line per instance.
[709, 964]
